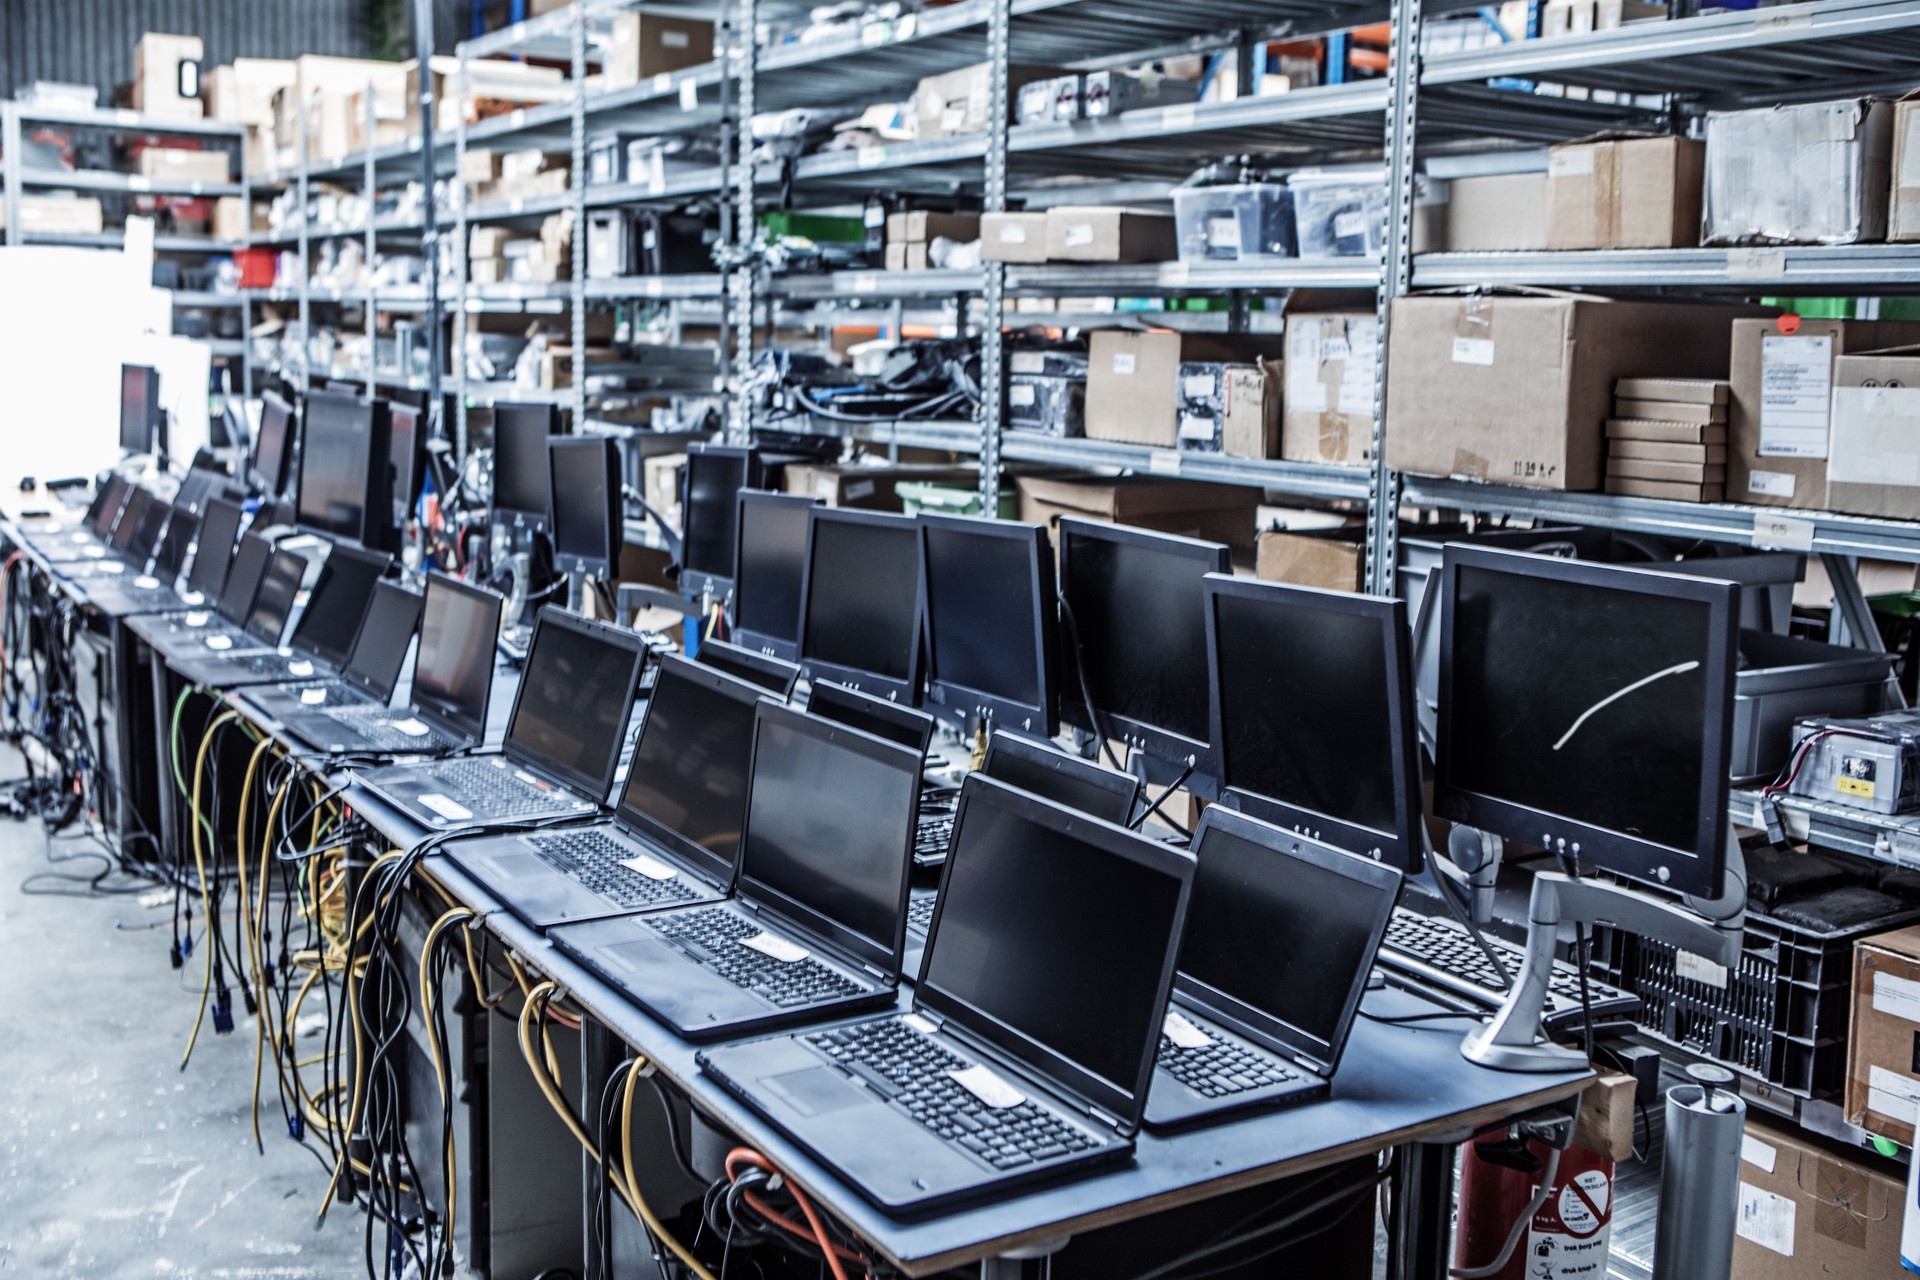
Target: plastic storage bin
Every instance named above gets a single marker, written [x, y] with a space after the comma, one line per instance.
[1340, 215]
[950, 499]
[1227, 223]
[1783, 679]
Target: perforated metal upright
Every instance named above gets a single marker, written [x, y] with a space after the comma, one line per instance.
[457, 188]
[992, 413]
[10, 139]
[304, 360]
[742, 55]
[371, 125]
[577, 189]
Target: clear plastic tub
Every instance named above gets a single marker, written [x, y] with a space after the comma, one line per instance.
[1340, 215]
[1228, 223]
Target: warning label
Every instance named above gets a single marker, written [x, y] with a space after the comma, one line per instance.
[1568, 1239]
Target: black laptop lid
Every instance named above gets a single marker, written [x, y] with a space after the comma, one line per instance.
[1054, 940]
[101, 516]
[771, 674]
[877, 716]
[829, 836]
[182, 527]
[380, 648]
[146, 538]
[453, 675]
[273, 603]
[131, 516]
[243, 579]
[576, 695]
[1094, 789]
[1281, 933]
[338, 603]
[686, 788]
[213, 551]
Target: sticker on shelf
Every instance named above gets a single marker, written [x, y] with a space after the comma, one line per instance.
[871, 157]
[517, 118]
[1163, 462]
[1178, 117]
[1175, 274]
[908, 24]
[136, 182]
[1786, 19]
[689, 95]
[874, 33]
[1782, 533]
[1756, 264]
[1573, 162]
[866, 282]
[663, 83]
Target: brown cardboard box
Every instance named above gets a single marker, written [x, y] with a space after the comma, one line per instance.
[1514, 388]
[955, 102]
[242, 90]
[1106, 233]
[1697, 473]
[1664, 451]
[479, 165]
[1779, 418]
[922, 225]
[158, 76]
[1500, 211]
[1332, 360]
[173, 164]
[866, 488]
[230, 219]
[57, 215]
[389, 122]
[1669, 411]
[1670, 432]
[1673, 490]
[1212, 512]
[1133, 379]
[1332, 558]
[1234, 408]
[651, 44]
[1903, 205]
[1675, 390]
[660, 475]
[1810, 1212]
[1883, 1077]
[1873, 468]
[1013, 237]
[1625, 193]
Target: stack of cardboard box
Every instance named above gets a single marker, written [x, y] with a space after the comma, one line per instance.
[1667, 438]
[325, 90]
[496, 255]
[910, 233]
[1079, 233]
[515, 175]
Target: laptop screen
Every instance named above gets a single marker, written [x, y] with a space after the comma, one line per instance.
[830, 823]
[688, 779]
[181, 529]
[771, 674]
[862, 609]
[454, 672]
[1046, 929]
[339, 601]
[130, 519]
[243, 579]
[147, 537]
[213, 552]
[769, 557]
[872, 715]
[575, 696]
[1054, 775]
[273, 605]
[111, 499]
[380, 649]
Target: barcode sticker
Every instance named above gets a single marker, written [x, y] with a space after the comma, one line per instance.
[866, 282]
[871, 157]
[1163, 462]
[1473, 351]
[1176, 118]
[650, 867]
[690, 95]
[1757, 264]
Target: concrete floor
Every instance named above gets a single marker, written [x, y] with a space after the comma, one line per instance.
[113, 1163]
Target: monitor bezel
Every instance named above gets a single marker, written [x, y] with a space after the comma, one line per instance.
[579, 781]
[705, 581]
[906, 718]
[273, 483]
[509, 517]
[1089, 773]
[787, 674]
[746, 637]
[448, 719]
[605, 561]
[959, 703]
[895, 689]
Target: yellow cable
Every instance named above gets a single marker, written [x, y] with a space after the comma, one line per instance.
[200, 865]
[448, 917]
[243, 917]
[636, 1201]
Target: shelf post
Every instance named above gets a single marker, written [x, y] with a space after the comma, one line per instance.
[10, 124]
[457, 357]
[577, 205]
[993, 388]
[1403, 83]
[433, 316]
[743, 54]
[305, 362]
[372, 125]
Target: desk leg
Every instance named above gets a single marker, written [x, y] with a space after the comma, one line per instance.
[1422, 1184]
[1034, 1262]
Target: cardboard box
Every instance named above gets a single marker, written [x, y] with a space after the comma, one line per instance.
[1516, 388]
[1681, 411]
[1662, 451]
[1810, 1211]
[1816, 173]
[57, 215]
[390, 120]
[1107, 233]
[230, 219]
[1133, 379]
[1013, 237]
[1712, 433]
[164, 66]
[1232, 409]
[242, 90]
[1676, 390]
[660, 477]
[1696, 473]
[1335, 559]
[1779, 416]
[1505, 211]
[1873, 467]
[1220, 513]
[864, 488]
[956, 102]
[1903, 209]
[173, 164]
[1883, 1046]
[1331, 365]
[1625, 193]
[923, 226]
[651, 44]
[1671, 490]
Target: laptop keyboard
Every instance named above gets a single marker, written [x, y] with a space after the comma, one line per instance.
[489, 789]
[932, 837]
[1221, 1069]
[375, 724]
[914, 1072]
[593, 858]
[920, 912]
[713, 937]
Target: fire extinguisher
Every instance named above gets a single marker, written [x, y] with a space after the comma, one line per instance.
[1533, 1206]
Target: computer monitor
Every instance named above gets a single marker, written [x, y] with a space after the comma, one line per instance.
[343, 488]
[272, 446]
[146, 535]
[213, 549]
[1310, 697]
[520, 485]
[106, 508]
[273, 603]
[1134, 620]
[770, 674]
[770, 558]
[576, 694]
[140, 411]
[338, 603]
[988, 597]
[407, 447]
[201, 485]
[583, 477]
[453, 675]
[1050, 773]
[859, 602]
[1588, 709]
[877, 716]
[714, 477]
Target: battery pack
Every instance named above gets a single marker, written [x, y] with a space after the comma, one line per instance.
[1871, 763]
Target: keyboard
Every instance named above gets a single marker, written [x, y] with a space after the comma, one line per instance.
[1221, 1069]
[374, 723]
[1443, 953]
[593, 858]
[493, 788]
[713, 937]
[267, 664]
[913, 1072]
[932, 837]
[920, 912]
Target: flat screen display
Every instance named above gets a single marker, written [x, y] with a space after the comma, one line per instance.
[689, 770]
[270, 446]
[984, 605]
[459, 627]
[336, 453]
[575, 696]
[862, 610]
[772, 558]
[273, 604]
[520, 435]
[139, 407]
[243, 579]
[182, 527]
[714, 478]
[586, 482]
[339, 601]
[380, 648]
[882, 719]
[213, 551]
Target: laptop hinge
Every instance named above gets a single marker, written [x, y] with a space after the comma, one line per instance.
[1112, 1122]
[878, 973]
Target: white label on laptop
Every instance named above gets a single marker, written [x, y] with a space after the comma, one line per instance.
[197, 618]
[219, 642]
[194, 597]
[312, 697]
[113, 568]
[299, 668]
[988, 1087]
[651, 868]
[413, 729]
[146, 583]
[446, 808]
[780, 949]
[919, 1024]
[1183, 1033]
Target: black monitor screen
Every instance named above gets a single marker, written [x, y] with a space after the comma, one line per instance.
[380, 647]
[172, 556]
[772, 557]
[1052, 775]
[829, 824]
[270, 445]
[1280, 933]
[862, 588]
[872, 715]
[985, 600]
[336, 452]
[213, 551]
[458, 630]
[1306, 711]
[1052, 936]
[520, 435]
[339, 600]
[138, 504]
[575, 695]
[1138, 616]
[112, 498]
[714, 478]
[243, 579]
[586, 489]
[273, 605]
[408, 453]
[689, 770]
[139, 407]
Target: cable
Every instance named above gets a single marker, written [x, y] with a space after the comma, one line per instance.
[1080, 672]
[1540, 1194]
[1161, 799]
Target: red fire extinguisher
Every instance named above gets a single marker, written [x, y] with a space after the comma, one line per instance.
[1533, 1206]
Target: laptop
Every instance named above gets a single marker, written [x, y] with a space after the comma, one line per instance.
[1281, 934]
[130, 547]
[563, 740]
[674, 840]
[1086, 785]
[895, 723]
[305, 708]
[1029, 1047]
[223, 626]
[817, 926]
[321, 638]
[66, 544]
[452, 680]
[772, 674]
[152, 592]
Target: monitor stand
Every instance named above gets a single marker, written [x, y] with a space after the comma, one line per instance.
[1514, 1040]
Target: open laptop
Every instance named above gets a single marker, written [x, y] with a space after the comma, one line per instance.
[563, 740]
[372, 672]
[155, 591]
[817, 928]
[131, 545]
[67, 543]
[1281, 934]
[1029, 1047]
[321, 638]
[1086, 785]
[195, 631]
[896, 723]
[772, 674]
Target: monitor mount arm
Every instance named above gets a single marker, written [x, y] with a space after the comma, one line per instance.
[1514, 1040]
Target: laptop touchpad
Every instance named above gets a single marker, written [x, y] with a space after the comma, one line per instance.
[511, 865]
[816, 1091]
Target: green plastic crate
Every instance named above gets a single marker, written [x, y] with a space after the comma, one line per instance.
[950, 499]
[817, 227]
